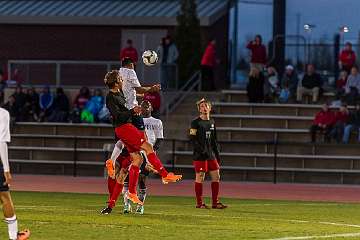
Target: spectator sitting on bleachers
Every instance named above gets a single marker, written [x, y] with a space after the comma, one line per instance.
[2, 87]
[271, 85]
[20, 100]
[255, 86]
[46, 100]
[310, 84]
[352, 124]
[323, 122]
[32, 104]
[352, 87]
[10, 107]
[284, 94]
[60, 107]
[80, 101]
[155, 99]
[341, 118]
[291, 80]
[92, 107]
[340, 84]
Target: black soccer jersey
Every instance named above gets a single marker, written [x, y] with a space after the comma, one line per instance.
[203, 137]
[115, 102]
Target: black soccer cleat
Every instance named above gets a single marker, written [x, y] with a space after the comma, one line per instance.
[219, 205]
[106, 211]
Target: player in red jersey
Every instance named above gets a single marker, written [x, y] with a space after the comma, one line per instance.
[206, 154]
[133, 139]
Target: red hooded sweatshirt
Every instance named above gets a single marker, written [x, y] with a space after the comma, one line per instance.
[326, 118]
[208, 59]
[342, 117]
[258, 53]
[347, 58]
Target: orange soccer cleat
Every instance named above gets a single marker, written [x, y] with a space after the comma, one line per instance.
[23, 235]
[171, 177]
[110, 168]
[134, 198]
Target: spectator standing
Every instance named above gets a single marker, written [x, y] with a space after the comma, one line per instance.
[155, 99]
[258, 53]
[129, 52]
[208, 63]
[46, 100]
[310, 84]
[341, 118]
[352, 87]
[61, 106]
[323, 121]
[168, 54]
[290, 80]
[352, 124]
[347, 58]
[255, 87]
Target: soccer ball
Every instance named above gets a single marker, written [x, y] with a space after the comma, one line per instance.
[150, 58]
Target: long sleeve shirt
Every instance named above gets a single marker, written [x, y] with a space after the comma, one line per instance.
[353, 81]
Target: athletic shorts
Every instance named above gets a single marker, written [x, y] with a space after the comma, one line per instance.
[3, 188]
[131, 137]
[206, 165]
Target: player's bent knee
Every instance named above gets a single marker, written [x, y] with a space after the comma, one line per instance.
[200, 177]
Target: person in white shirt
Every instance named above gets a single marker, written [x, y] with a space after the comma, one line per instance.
[130, 87]
[5, 179]
[154, 133]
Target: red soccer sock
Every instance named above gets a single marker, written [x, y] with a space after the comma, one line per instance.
[199, 192]
[115, 194]
[215, 192]
[111, 184]
[133, 178]
[155, 161]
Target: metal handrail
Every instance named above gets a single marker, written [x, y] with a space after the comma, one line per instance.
[183, 92]
[58, 64]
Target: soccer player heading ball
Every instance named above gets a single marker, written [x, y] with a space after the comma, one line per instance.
[133, 139]
[206, 154]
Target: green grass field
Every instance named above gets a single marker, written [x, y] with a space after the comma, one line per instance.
[76, 216]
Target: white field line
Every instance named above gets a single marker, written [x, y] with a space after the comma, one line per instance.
[264, 219]
[319, 237]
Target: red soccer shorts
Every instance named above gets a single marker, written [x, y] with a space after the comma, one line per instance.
[131, 137]
[206, 166]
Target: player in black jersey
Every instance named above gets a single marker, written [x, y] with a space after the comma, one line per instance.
[206, 154]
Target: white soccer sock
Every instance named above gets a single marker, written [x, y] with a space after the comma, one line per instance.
[125, 189]
[142, 194]
[117, 150]
[12, 227]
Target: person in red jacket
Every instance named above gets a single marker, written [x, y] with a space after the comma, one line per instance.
[324, 121]
[347, 58]
[341, 119]
[258, 53]
[208, 63]
[129, 52]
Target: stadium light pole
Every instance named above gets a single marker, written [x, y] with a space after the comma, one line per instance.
[343, 30]
[308, 28]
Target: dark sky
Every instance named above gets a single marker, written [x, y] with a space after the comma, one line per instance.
[327, 15]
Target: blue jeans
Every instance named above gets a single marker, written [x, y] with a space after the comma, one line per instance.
[347, 133]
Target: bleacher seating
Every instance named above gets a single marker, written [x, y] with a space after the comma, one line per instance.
[247, 133]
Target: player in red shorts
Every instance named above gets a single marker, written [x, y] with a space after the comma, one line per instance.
[133, 139]
[206, 154]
